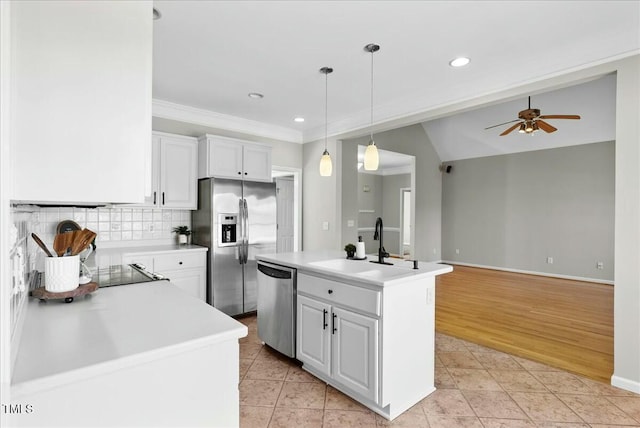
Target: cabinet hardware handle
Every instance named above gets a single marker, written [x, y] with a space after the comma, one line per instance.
[324, 319]
[239, 172]
[162, 198]
[245, 173]
[333, 324]
[330, 291]
[179, 263]
[154, 198]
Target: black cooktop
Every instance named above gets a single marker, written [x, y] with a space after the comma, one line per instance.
[110, 276]
[122, 275]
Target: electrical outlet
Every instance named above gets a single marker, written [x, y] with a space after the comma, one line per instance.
[350, 223]
[550, 260]
[325, 225]
[600, 265]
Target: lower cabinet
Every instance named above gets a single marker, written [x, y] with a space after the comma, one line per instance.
[373, 343]
[339, 343]
[187, 270]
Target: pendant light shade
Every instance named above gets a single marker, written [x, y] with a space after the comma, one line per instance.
[371, 153]
[371, 157]
[326, 166]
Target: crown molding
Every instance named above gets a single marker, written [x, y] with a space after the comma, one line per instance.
[183, 113]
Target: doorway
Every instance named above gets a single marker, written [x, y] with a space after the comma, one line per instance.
[289, 215]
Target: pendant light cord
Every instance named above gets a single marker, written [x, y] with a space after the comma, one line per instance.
[326, 97]
[371, 128]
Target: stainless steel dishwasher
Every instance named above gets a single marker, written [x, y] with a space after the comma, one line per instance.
[277, 307]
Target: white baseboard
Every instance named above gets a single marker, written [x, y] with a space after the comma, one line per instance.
[528, 272]
[626, 384]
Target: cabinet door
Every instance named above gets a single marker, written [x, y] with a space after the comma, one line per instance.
[81, 115]
[178, 173]
[355, 352]
[191, 281]
[225, 158]
[313, 333]
[257, 163]
[151, 175]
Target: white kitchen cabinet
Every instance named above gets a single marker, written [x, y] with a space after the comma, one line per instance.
[171, 179]
[335, 341]
[81, 115]
[186, 270]
[355, 352]
[224, 157]
[313, 331]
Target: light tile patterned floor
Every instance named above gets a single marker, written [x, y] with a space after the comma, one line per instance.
[476, 387]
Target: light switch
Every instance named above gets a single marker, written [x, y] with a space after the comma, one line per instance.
[325, 225]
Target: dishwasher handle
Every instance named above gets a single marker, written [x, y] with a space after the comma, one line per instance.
[274, 273]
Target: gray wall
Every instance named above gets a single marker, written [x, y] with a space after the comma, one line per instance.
[410, 140]
[320, 198]
[514, 211]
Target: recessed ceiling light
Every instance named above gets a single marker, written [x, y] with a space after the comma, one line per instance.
[255, 95]
[459, 62]
[298, 119]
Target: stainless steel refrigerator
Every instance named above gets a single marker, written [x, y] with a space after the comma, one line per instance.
[236, 220]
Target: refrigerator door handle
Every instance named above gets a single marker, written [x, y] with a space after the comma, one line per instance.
[245, 231]
[240, 243]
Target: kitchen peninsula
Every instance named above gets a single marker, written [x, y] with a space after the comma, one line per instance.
[366, 328]
[145, 354]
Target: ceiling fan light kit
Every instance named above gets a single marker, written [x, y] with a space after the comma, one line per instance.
[371, 158]
[326, 166]
[530, 121]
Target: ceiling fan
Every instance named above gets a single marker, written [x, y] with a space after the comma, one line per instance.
[530, 121]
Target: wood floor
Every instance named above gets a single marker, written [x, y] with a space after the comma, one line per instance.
[563, 323]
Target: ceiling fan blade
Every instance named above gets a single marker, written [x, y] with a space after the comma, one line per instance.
[511, 121]
[545, 126]
[510, 129]
[559, 116]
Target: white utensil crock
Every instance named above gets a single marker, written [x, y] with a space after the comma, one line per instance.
[61, 273]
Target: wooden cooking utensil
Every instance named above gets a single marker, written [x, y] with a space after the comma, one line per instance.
[41, 244]
[82, 240]
[62, 241]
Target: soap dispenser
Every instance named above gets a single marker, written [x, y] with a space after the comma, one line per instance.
[360, 253]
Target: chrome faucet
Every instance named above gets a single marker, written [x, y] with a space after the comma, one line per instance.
[377, 235]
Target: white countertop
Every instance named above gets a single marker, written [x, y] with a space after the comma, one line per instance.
[112, 328]
[333, 263]
[163, 248]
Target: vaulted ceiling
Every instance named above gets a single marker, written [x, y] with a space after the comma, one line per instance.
[208, 55]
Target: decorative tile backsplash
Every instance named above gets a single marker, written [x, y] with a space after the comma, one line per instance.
[115, 227]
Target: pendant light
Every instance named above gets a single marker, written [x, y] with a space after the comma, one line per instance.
[325, 161]
[371, 154]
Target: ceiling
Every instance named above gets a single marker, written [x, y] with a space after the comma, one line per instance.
[208, 55]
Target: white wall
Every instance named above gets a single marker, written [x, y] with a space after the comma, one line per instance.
[5, 196]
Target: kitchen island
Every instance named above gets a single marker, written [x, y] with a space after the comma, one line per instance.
[135, 355]
[367, 329]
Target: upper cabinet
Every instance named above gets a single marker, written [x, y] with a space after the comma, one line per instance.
[171, 172]
[81, 100]
[224, 157]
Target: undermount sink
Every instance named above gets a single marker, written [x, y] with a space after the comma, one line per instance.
[364, 268]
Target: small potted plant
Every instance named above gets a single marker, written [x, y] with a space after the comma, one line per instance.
[351, 250]
[183, 234]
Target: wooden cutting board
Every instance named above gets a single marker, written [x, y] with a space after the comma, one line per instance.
[68, 296]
